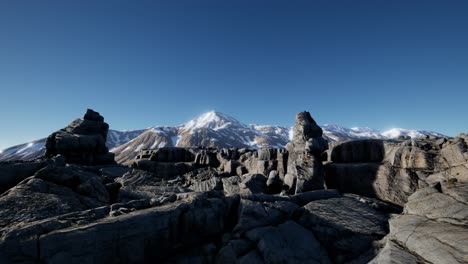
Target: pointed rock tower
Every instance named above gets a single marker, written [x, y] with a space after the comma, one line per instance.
[83, 141]
[305, 170]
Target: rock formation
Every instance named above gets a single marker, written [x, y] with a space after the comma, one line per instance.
[202, 205]
[433, 228]
[393, 170]
[305, 164]
[83, 141]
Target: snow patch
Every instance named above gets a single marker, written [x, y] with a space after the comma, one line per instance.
[291, 134]
[126, 149]
[175, 140]
[139, 147]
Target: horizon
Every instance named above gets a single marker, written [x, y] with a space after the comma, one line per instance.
[373, 64]
[229, 116]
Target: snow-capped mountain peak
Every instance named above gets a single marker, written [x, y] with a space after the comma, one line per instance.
[213, 120]
[399, 132]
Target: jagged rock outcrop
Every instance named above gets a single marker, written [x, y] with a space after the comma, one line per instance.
[394, 170]
[305, 150]
[83, 141]
[433, 228]
[202, 205]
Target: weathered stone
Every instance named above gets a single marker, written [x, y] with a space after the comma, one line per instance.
[369, 150]
[372, 180]
[305, 128]
[114, 171]
[304, 159]
[11, 173]
[344, 226]
[142, 236]
[252, 183]
[207, 185]
[256, 214]
[288, 243]
[394, 254]
[231, 185]
[172, 154]
[438, 206]
[273, 184]
[290, 182]
[435, 242]
[83, 141]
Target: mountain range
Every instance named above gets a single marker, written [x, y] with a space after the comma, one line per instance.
[212, 129]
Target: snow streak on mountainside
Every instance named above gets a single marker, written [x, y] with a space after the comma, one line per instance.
[212, 129]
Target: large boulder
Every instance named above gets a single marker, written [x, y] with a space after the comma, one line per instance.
[433, 228]
[393, 170]
[11, 173]
[149, 235]
[253, 183]
[305, 150]
[288, 243]
[369, 150]
[346, 227]
[83, 141]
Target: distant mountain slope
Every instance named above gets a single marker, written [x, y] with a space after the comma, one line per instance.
[36, 149]
[212, 129]
[26, 151]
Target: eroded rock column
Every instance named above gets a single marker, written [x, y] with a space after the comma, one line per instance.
[305, 170]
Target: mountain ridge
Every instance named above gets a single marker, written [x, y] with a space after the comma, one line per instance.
[211, 129]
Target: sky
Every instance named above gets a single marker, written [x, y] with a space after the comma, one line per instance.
[379, 63]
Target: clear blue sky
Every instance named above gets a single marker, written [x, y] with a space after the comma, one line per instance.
[379, 63]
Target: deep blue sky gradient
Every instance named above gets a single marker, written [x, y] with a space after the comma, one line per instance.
[376, 63]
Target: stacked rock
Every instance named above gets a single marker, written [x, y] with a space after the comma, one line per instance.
[305, 170]
[83, 141]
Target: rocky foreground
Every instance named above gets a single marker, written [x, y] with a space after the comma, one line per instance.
[367, 201]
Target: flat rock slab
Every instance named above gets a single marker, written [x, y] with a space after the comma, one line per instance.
[288, 243]
[394, 254]
[141, 236]
[433, 241]
[344, 226]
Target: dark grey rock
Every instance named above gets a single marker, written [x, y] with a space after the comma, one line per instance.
[252, 183]
[288, 243]
[83, 141]
[11, 173]
[344, 226]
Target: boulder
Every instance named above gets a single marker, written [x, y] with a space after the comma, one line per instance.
[433, 227]
[143, 236]
[288, 243]
[11, 173]
[83, 141]
[392, 253]
[344, 226]
[368, 150]
[231, 185]
[305, 128]
[435, 242]
[273, 183]
[304, 158]
[254, 214]
[175, 154]
[373, 180]
[252, 183]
